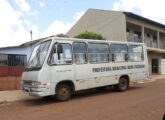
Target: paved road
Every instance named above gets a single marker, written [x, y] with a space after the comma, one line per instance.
[140, 102]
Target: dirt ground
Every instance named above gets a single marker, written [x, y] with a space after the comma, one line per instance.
[140, 102]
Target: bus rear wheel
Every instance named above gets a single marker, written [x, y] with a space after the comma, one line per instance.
[63, 92]
[123, 85]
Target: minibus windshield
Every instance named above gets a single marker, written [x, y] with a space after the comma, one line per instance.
[38, 56]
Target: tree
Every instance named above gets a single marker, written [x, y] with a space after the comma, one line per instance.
[90, 35]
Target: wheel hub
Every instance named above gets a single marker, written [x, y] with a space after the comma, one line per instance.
[123, 85]
[63, 92]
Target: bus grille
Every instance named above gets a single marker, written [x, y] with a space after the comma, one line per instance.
[27, 82]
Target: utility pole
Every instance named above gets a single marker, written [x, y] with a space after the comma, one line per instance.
[31, 39]
[31, 35]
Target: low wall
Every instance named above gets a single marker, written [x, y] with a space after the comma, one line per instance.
[11, 70]
[10, 83]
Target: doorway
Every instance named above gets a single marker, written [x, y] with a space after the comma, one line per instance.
[155, 66]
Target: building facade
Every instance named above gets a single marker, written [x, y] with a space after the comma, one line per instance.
[12, 63]
[25, 48]
[128, 27]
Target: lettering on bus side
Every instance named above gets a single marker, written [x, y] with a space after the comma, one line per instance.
[102, 69]
[130, 67]
[139, 66]
[107, 69]
[119, 68]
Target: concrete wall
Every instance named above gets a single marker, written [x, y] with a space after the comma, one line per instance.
[111, 24]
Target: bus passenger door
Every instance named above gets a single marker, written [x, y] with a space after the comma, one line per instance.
[61, 63]
[81, 67]
[82, 76]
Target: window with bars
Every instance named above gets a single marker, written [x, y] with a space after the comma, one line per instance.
[3, 60]
[12, 60]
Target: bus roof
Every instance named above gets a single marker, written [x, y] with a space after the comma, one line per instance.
[89, 40]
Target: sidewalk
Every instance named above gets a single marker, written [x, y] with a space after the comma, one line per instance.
[157, 77]
[13, 95]
[18, 95]
[152, 78]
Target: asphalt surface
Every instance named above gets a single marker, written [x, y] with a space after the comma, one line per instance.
[140, 102]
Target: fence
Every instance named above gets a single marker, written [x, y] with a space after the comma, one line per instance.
[11, 69]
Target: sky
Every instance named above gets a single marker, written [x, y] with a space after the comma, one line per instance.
[51, 17]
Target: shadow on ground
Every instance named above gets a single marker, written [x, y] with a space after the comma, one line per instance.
[78, 95]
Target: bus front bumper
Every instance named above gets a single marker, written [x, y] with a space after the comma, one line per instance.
[40, 92]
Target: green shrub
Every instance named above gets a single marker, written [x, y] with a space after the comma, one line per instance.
[90, 35]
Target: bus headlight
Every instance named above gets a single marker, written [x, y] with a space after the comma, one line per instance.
[36, 83]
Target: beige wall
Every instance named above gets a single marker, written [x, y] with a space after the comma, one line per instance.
[110, 24]
[154, 56]
[149, 28]
[145, 24]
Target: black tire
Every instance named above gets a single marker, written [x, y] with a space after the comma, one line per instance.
[63, 92]
[101, 88]
[47, 97]
[123, 85]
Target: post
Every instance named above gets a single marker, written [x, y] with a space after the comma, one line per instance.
[158, 41]
[31, 40]
[142, 34]
[31, 34]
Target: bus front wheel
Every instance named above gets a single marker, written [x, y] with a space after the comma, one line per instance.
[63, 92]
[123, 85]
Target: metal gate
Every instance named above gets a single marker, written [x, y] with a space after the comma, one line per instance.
[163, 66]
[11, 69]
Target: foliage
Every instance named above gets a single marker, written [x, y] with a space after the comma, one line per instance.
[90, 35]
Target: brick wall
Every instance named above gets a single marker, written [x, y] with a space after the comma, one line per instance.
[10, 83]
[11, 70]
[10, 77]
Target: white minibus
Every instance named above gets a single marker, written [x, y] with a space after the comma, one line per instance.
[61, 66]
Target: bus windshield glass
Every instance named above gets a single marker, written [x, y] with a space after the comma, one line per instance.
[38, 55]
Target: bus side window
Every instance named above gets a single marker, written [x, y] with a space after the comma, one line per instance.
[98, 52]
[119, 52]
[135, 53]
[63, 54]
[79, 53]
